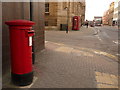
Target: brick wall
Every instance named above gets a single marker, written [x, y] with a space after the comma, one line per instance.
[38, 17]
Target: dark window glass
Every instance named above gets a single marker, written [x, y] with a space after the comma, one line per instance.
[46, 23]
[47, 7]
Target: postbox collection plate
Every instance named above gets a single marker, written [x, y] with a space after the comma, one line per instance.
[30, 41]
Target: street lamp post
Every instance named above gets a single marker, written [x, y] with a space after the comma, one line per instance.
[67, 8]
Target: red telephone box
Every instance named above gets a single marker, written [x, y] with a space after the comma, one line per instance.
[76, 23]
[21, 51]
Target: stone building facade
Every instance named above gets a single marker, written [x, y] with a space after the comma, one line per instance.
[51, 14]
[62, 12]
[116, 10]
[105, 18]
[111, 13]
[111, 16]
[21, 10]
[119, 15]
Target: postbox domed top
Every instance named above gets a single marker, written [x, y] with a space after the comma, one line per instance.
[19, 23]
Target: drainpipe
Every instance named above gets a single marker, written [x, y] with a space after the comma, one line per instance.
[31, 19]
[68, 16]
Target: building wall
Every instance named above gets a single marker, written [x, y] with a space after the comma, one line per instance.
[10, 11]
[119, 15]
[38, 18]
[64, 11]
[51, 16]
[111, 13]
[115, 16]
[20, 10]
[105, 18]
[75, 9]
[63, 14]
[83, 12]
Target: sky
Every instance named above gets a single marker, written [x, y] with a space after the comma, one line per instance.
[96, 8]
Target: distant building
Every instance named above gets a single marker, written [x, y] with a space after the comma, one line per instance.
[61, 13]
[119, 14]
[111, 16]
[105, 18]
[115, 15]
[111, 13]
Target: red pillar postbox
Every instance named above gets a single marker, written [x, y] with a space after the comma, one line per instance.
[76, 23]
[21, 51]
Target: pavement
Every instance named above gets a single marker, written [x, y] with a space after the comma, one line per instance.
[67, 63]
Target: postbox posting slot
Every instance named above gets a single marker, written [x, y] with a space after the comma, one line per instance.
[30, 33]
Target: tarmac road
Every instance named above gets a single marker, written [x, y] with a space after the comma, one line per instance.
[103, 38]
[108, 37]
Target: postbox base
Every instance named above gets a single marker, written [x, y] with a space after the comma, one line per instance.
[22, 80]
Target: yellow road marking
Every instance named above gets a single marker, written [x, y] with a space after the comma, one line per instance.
[91, 50]
[74, 51]
[101, 53]
[79, 52]
[64, 49]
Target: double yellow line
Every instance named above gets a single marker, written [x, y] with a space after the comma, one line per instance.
[101, 53]
[92, 50]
